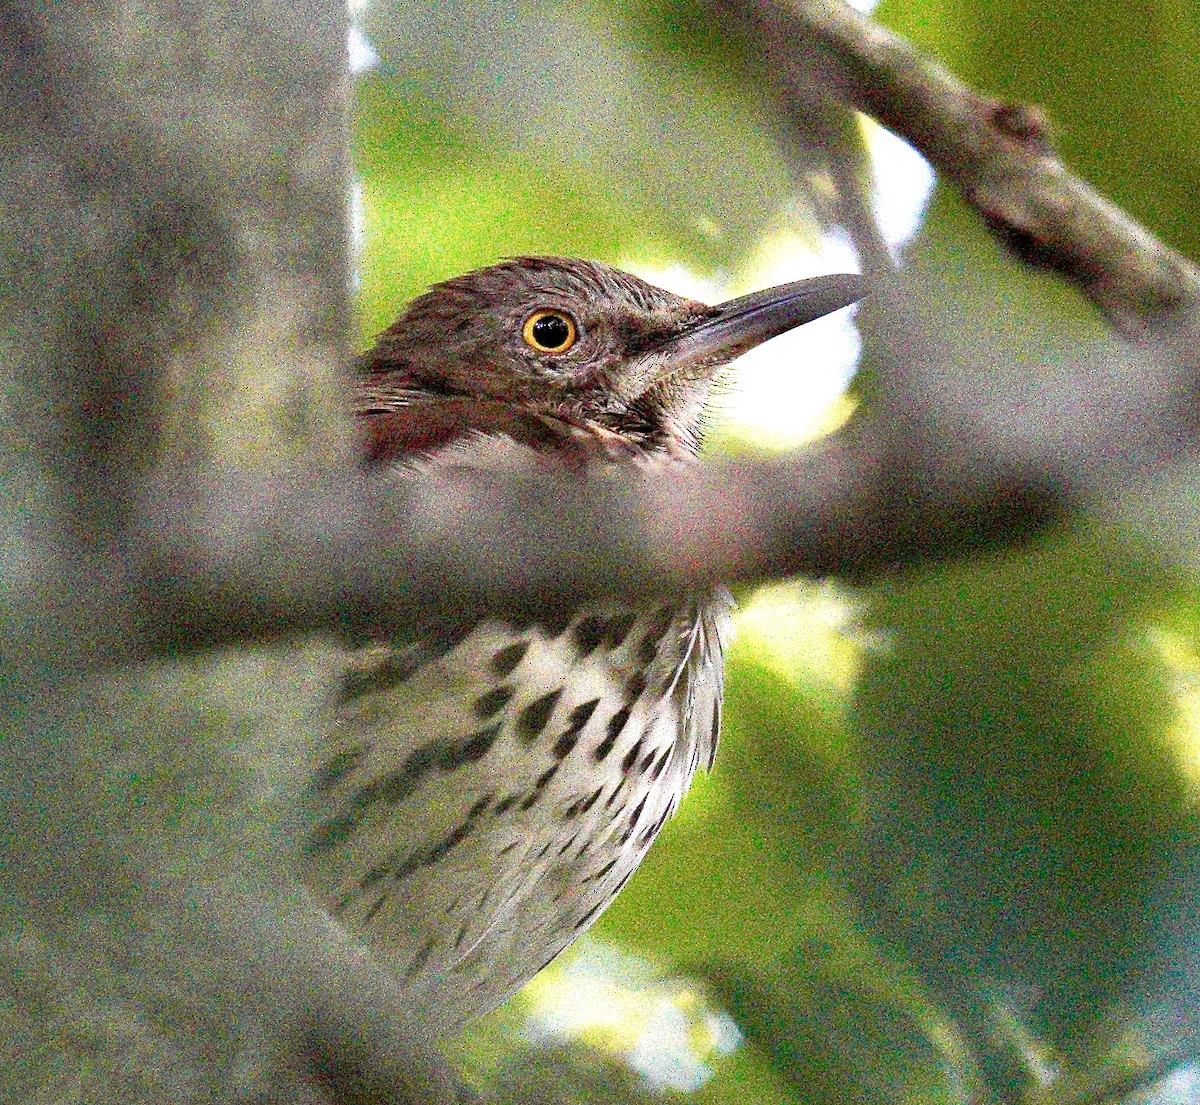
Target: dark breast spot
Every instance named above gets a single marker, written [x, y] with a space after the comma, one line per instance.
[579, 718]
[336, 767]
[331, 833]
[379, 903]
[567, 847]
[473, 748]
[648, 835]
[655, 632]
[376, 874]
[648, 649]
[572, 811]
[662, 763]
[530, 800]
[505, 661]
[619, 627]
[481, 804]
[565, 744]
[398, 784]
[450, 841]
[615, 724]
[630, 757]
[582, 922]
[555, 625]
[582, 714]
[587, 635]
[534, 718]
[490, 704]
[420, 959]
[381, 673]
[663, 617]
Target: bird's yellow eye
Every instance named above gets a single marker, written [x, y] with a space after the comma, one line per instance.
[550, 331]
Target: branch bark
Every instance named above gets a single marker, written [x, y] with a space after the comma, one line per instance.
[238, 560]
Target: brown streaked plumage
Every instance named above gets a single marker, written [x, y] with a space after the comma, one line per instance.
[484, 795]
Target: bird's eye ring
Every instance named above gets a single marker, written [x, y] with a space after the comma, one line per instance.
[550, 331]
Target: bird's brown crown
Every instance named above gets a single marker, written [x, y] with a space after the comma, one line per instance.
[536, 347]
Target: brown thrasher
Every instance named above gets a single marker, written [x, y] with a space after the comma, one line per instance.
[485, 795]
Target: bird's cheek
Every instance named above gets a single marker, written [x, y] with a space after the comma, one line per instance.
[633, 379]
[575, 378]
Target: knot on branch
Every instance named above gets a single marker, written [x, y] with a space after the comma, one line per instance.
[1026, 124]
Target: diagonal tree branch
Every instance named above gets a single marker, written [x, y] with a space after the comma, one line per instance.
[997, 154]
[373, 557]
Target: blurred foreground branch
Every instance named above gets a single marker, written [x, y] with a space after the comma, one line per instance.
[956, 456]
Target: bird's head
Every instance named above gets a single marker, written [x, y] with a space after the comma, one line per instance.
[539, 343]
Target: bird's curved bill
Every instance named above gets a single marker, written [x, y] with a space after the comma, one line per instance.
[752, 319]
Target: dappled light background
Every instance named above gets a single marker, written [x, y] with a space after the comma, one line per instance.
[951, 837]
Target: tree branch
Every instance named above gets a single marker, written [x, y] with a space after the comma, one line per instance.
[997, 154]
[238, 560]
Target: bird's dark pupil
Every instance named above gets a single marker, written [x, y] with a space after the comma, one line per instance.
[551, 332]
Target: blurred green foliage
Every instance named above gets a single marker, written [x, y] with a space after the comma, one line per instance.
[949, 851]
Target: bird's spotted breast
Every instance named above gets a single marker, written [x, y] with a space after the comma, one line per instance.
[480, 805]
